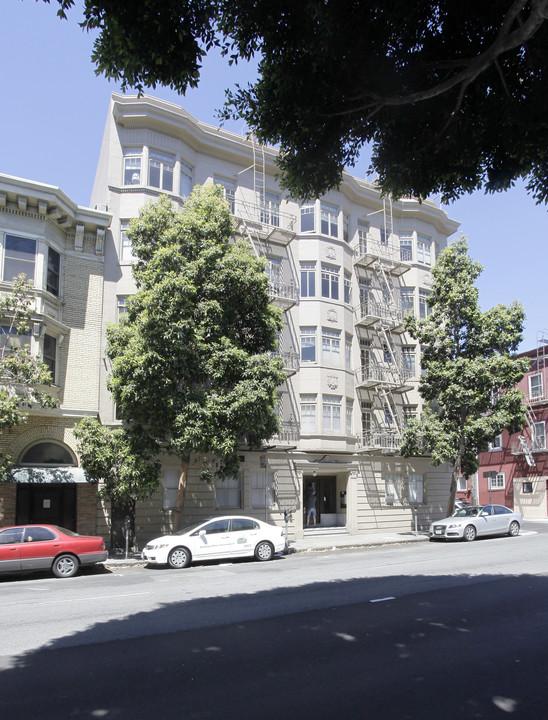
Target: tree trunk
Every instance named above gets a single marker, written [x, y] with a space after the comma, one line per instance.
[119, 512]
[181, 493]
[453, 488]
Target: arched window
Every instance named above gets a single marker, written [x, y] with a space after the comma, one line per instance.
[47, 453]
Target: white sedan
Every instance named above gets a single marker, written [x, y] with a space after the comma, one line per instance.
[215, 539]
[477, 520]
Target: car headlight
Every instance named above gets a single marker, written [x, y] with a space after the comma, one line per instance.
[160, 545]
[455, 525]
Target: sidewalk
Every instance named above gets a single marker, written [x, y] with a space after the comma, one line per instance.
[314, 541]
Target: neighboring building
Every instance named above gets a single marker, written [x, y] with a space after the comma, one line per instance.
[59, 246]
[514, 470]
[346, 269]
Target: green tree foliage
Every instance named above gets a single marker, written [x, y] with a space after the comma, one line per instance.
[23, 377]
[192, 364]
[123, 460]
[469, 368]
[450, 94]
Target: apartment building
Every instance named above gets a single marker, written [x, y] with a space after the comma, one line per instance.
[514, 469]
[60, 247]
[346, 269]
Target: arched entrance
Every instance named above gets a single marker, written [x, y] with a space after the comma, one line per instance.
[46, 477]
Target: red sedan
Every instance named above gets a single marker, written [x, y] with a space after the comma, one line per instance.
[28, 548]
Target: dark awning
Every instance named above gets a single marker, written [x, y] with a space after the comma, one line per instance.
[46, 475]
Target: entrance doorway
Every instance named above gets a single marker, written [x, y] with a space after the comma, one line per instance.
[326, 497]
[52, 504]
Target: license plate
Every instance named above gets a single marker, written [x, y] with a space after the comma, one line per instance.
[438, 531]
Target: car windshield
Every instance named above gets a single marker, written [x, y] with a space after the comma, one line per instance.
[472, 511]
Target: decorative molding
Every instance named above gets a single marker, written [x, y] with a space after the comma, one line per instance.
[331, 252]
[79, 237]
[333, 381]
[100, 244]
[331, 315]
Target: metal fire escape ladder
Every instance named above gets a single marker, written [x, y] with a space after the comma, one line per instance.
[388, 217]
[259, 174]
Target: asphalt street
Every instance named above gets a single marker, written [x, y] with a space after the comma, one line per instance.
[435, 631]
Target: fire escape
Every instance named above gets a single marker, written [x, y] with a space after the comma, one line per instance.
[382, 375]
[258, 219]
[533, 441]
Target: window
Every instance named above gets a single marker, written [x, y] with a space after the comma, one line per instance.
[187, 176]
[262, 489]
[308, 344]
[331, 346]
[170, 489]
[244, 524]
[229, 192]
[121, 306]
[349, 409]
[330, 281]
[348, 352]
[308, 279]
[424, 310]
[46, 453]
[160, 170]
[363, 231]
[7, 537]
[307, 218]
[409, 414]
[308, 413]
[535, 386]
[392, 488]
[49, 354]
[496, 481]
[496, 443]
[416, 489]
[331, 411]
[539, 436]
[408, 360]
[423, 250]
[126, 247]
[406, 248]
[270, 213]
[11, 340]
[217, 527]
[384, 236]
[527, 488]
[346, 227]
[227, 492]
[388, 417]
[54, 265]
[366, 408]
[387, 354]
[330, 220]
[407, 296]
[274, 271]
[347, 288]
[462, 484]
[132, 166]
[19, 257]
[38, 534]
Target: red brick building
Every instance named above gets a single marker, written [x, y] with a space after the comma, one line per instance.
[514, 470]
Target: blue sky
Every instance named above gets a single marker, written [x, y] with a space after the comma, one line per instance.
[54, 110]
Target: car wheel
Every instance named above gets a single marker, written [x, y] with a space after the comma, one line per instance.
[469, 533]
[65, 566]
[264, 551]
[513, 530]
[179, 558]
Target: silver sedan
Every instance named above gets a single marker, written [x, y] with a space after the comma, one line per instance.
[467, 523]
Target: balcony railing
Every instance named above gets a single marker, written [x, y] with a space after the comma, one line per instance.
[372, 375]
[370, 311]
[384, 441]
[290, 359]
[267, 220]
[368, 251]
[289, 433]
[285, 294]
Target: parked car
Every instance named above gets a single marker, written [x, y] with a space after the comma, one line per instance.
[214, 539]
[467, 523]
[27, 548]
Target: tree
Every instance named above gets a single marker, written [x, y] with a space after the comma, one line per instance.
[23, 377]
[192, 364]
[124, 461]
[450, 94]
[469, 371]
